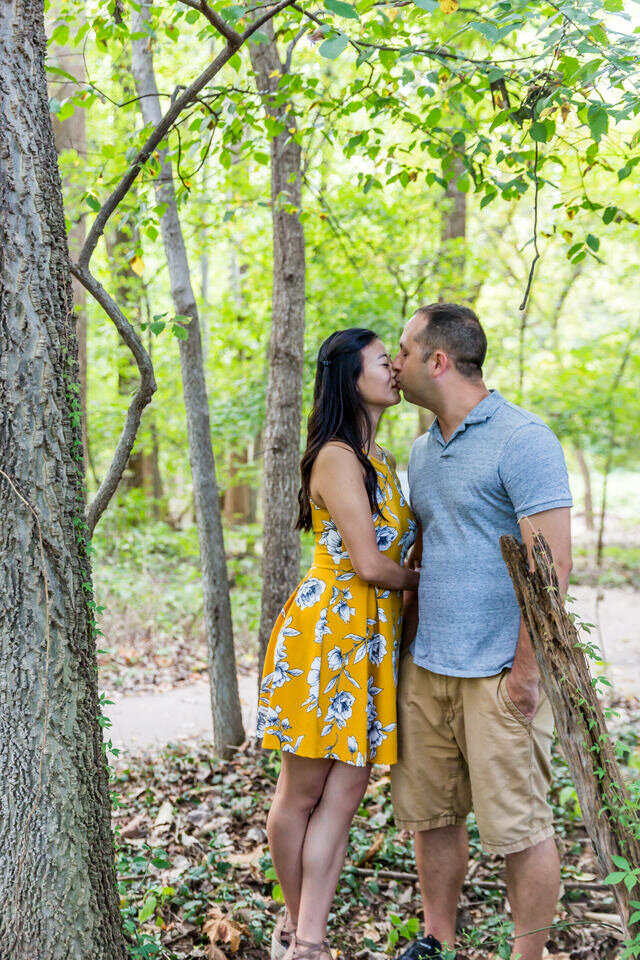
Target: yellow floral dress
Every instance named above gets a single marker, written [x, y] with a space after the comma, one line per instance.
[331, 668]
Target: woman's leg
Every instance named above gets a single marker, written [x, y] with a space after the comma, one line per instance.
[298, 790]
[325, 846]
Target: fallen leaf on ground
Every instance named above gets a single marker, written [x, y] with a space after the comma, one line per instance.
[165, 815]
[220, 928]
[135, 828]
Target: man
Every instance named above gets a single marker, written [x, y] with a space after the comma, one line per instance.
[474, 725]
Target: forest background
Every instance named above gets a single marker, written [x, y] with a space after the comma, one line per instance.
[416, 185]
[345, 164]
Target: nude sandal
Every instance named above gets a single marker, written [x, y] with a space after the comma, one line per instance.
[303, 950]
[282, 935]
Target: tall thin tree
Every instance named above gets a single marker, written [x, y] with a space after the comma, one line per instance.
[281, 542]
[225, 701]
[57, 877]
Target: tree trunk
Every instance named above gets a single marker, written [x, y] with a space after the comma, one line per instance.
[225, 701]
[237, 496]
[57, 878]
[281, 541]
[452, 238]
[609, 816]
[588, 493]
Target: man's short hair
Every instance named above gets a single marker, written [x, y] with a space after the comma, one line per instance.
[457, 331]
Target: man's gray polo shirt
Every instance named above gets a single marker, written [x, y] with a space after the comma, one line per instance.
[501, 464]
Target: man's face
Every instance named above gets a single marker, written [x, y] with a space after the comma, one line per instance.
[410, 370]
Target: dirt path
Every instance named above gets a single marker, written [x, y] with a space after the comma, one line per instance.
[150, 720]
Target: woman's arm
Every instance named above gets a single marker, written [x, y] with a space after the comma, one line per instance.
[337, 483]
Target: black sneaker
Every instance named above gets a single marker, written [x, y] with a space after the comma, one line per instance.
[428, 948]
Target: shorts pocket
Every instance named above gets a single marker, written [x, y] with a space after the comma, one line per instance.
[509, 705]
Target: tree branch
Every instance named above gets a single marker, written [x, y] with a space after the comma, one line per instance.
[160, 132]
[269, 15]
[215, 20]
[146, 388]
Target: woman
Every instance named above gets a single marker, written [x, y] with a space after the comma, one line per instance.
[328, 693]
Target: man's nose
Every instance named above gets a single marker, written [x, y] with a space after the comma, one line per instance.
[396, 366]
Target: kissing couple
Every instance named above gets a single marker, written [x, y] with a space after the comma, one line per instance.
[404, 644]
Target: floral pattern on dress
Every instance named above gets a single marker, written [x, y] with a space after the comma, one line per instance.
[331, 669]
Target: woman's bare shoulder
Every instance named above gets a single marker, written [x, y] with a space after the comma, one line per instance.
[336, 452]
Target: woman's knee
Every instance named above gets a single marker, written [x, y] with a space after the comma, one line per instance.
[300, 787]
[347, 791]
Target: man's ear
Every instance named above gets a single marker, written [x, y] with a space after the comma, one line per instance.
[441, 362]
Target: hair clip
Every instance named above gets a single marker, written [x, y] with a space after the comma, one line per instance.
[325, 363]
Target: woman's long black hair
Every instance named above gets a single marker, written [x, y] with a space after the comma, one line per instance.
[339, 412]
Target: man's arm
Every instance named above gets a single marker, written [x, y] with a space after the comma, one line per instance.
[555, 527]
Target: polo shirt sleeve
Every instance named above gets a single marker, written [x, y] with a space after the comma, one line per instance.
[533, 471]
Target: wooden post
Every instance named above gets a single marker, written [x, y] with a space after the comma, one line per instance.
[612, 822]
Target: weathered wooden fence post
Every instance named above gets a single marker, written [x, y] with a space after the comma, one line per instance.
[612, 822]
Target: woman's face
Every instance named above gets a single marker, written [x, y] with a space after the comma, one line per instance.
[377, 383]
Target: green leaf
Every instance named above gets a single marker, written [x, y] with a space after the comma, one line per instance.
[609, 214]
[616, 877]
[332, 48]
[487, 30]
[342, 9]
[387, 58]
[429, 5]
[614, 6]
[621, 862]
[92, 202]
[66, 110]
[538, 131]
[598, 120]
[179, 332]
[570, 66]
[433, 117]
[192, 16]
[594, 243]
[630, 881]
[157, 326]
[599, 34]
[147, 910]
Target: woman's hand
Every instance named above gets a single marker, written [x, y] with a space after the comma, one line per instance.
[414, 557]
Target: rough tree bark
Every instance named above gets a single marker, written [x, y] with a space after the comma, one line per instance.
[225, 701]
[57, 877]
[281, 542]
[611, 821]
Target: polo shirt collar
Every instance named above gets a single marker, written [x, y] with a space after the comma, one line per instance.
[478, 414]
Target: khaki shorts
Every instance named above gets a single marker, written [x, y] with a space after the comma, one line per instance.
[462, 739]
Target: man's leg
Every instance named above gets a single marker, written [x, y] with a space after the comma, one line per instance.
[533, 885]
[442, 855]
[509, 758]
[431, 796]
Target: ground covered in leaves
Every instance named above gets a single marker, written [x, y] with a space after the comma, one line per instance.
[196, 878]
